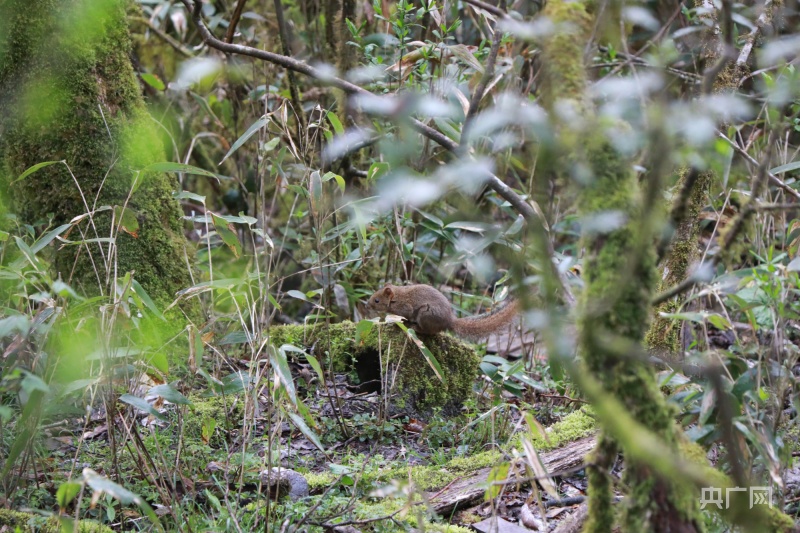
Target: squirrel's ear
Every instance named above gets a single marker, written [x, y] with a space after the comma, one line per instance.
[387, 291]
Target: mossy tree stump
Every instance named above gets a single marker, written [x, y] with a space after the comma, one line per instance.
[414, 386]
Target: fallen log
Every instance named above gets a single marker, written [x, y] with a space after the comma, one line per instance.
[472, 488]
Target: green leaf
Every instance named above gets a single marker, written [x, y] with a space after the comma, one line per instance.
[67, 492]
[363, 328]
[170, 393]
[254, 127]
[352, 28]
[31, 383]
[498, 475]
[270, 145]
[281, 367]
[14, 324]
[191, 196]
[159, 362]
[377, 170]
[426, 353]
[28, 253]
[463, 53]
[148, 302]
[235, 337]
[785, 168]
[315, 189]
[300, 424]
[267, 238]
[236, 382]
[227, 235]
[180, 167]
[153, 81]
[489, 369]
[207, 429]
[447, 127]
[494, 359]
[299, 295]
[336, 123]
[127, 220]
[48, 237]
[315, 365]
[34, 168]
[719, 321]
[339, 180]
[104, 485]
[142, 405]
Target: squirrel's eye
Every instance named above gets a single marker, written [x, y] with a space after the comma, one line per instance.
[377, 301]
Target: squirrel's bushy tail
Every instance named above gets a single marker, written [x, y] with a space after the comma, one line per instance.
[481, 326]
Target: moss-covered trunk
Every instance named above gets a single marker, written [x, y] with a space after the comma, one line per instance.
[68, 93]
[620, 277]
[665, 337]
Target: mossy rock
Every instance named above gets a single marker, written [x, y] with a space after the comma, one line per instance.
[415, 386]
[27, 523]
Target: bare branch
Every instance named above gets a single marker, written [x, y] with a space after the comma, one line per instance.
[494, 10]
[763, 20]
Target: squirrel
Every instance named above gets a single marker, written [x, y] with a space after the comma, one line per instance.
[430, 311]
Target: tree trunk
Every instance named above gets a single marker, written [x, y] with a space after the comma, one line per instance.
[68, 93]
[620, 277]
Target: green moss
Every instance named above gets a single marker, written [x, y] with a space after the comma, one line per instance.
[410, 518]
[472, 463]
[319, 480]
[71, 95]
[27, 523]
[222, 410]
[576, 425]
[601, 512]
[565, 75]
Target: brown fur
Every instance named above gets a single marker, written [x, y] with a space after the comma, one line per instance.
[430, 312]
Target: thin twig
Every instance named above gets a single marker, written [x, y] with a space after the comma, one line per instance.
[237, 14]
[775, 180]
[164, 36]
[284, 37]
[477, 95]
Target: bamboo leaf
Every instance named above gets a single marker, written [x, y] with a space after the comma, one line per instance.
[254, 127]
